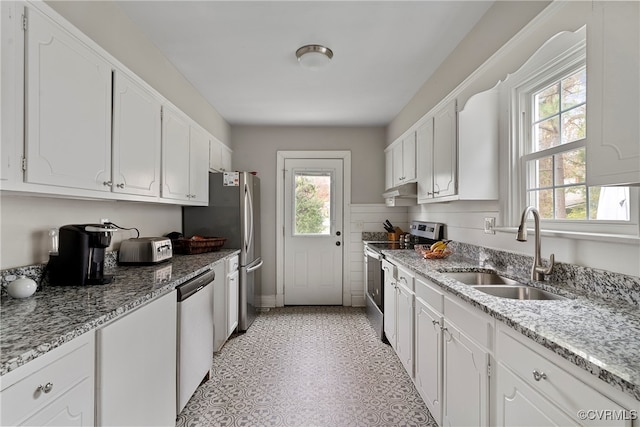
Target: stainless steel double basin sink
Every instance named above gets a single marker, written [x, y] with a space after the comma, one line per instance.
[500, 286]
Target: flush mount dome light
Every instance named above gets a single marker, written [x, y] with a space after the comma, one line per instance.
[314, 56]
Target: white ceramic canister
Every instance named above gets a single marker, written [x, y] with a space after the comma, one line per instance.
[22, 287]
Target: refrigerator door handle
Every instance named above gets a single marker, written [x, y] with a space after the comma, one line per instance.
[248, 225]
[255, 267]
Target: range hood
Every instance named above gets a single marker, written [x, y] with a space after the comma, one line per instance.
[405, 191]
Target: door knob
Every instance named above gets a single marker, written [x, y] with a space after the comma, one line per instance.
[338, 243]
[338, 233]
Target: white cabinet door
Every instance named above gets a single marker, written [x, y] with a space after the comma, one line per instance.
[613, 94]
[398, 171]
[198, 166]
[519, 405]
[390, 301]
[445, 151]
[466, 381]
[136, 366]
[388, 169]
[56, 389]
[409, 157]
[233, 290]
[226, 158]
[405, 319]
[175, 155]
[424, 153]
[68, 109]
[136, 138]
[219, 156]
[219, 307]
[428, 357]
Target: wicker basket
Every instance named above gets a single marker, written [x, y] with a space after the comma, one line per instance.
[197, 244]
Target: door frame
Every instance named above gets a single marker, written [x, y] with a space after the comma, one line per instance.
[346, 216]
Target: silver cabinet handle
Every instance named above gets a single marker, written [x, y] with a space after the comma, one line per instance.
[435, 322]
[121, 185]
[107, 183]
[539, 375]
[45, 388]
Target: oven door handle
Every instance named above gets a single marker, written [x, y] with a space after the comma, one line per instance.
[368, 252]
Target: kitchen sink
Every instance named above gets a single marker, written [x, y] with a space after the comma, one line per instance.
[480, 278]
[518, 292]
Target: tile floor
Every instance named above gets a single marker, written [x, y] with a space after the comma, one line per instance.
[305, 367]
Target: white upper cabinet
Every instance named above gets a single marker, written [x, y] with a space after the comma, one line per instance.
[68, 109]
[613, 94]
[403, 162]
[437, 155]
[445, 151]
[388, 169]
[185, 159]
[219, 156]
[175, 155]
[136, 138]
[198, 165]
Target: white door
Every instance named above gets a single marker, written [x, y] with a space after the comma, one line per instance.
[313, 234]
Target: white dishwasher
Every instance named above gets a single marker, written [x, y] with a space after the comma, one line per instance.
[195, 335]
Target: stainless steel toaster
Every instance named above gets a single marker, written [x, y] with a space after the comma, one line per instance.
[145, 250]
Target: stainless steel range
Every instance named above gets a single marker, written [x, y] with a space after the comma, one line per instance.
[420, 233]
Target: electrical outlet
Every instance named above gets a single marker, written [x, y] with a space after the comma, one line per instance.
[358, 226]
[489, 225]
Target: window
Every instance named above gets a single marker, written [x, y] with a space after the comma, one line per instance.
[549, 99]
[312, 206]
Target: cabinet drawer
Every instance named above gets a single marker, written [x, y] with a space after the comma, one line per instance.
[471, 321]
[65, 367]
[406, 278]
[559, 386]
[232, 264]
[429, 294]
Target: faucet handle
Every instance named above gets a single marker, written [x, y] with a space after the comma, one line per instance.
[547, 271]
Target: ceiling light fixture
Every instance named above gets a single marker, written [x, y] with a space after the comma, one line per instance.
[314, 56]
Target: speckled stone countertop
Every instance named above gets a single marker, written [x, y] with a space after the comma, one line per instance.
[602, 336]
[54, 315]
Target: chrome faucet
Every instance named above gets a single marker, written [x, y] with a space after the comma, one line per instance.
[538, 271]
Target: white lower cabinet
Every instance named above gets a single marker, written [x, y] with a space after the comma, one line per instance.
[136, 366]
[233, 293]
[56, 389]
[219, 307]
[428, 359]
[390, 293]
[533, 390]
[405, 319]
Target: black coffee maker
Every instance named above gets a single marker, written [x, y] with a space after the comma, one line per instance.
[80, 257]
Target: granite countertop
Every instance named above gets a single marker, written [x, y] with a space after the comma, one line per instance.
[600, 336]
[54, 315]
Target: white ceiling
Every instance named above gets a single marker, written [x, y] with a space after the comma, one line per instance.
[240, 55]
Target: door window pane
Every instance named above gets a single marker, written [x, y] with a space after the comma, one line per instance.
[312, 207]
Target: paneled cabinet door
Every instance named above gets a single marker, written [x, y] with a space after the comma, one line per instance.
[136, 139]
[68, 109]
[404, 316]
[409, 157]
[390, 301]
[388, 169]
[428, 358]
[445, 151]
[198, 166]
[613, 94]
[219, 307]
[233, 290]
[424, 153]
[175, 155]
[466, 381]
[519, 405]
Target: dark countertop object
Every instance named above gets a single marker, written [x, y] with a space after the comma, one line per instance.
[600, 336]
[55, 315]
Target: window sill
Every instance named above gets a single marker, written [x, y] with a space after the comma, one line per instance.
[628, 239]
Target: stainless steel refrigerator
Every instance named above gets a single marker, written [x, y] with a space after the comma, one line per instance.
[234, 213]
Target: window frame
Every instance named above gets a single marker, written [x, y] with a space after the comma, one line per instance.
[558, 60]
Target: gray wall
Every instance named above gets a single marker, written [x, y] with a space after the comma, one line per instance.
[255, 149]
